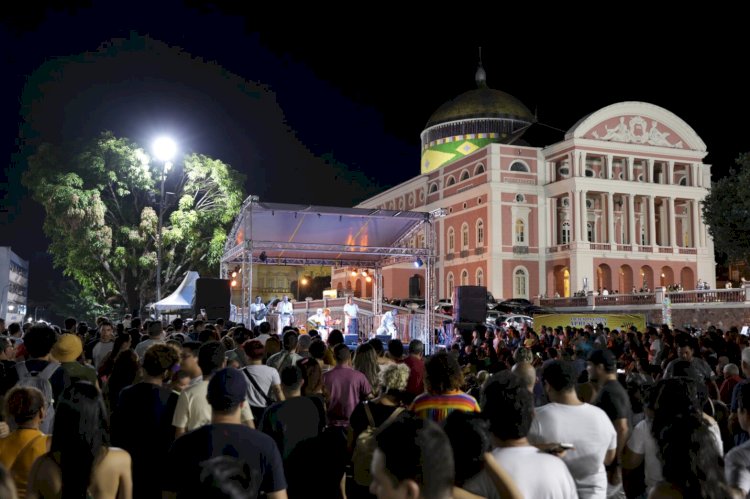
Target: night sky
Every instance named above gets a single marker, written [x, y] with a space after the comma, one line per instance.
[326, 107]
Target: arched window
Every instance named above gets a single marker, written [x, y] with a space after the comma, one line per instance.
[479, 169]
[480, 232]
[451, 240]
[589, 172]
[464, 277]
[565, 234]
[464, 176]
[449, 283]
[683, 181]
[433, 188]
[519, 167]
[421, 241]
[465, 236]
[401, 203]
[450, 181]
[520, 282]
[480, 277]
[520, 231]
[411, 200]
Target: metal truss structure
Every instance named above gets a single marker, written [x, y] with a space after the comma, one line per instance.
[286, 234]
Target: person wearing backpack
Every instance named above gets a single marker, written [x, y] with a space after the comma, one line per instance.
[369, 416]
[40, 371]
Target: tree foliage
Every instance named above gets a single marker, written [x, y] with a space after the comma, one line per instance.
[726, 212]
[102, 199]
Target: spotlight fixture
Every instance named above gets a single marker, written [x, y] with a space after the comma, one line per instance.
[233, 283]
[263, 257]
[368, 279]
[234, 274]
[418, 262]
[354, 273]
[364, 273]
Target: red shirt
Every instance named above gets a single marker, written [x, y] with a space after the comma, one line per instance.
[415, 385]
[725, 392]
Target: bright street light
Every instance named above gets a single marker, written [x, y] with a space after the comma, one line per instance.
[164, 150]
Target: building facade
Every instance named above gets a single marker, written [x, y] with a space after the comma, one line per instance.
[14, 285]
[615, 205]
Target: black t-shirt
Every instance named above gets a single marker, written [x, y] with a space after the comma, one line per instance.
[142, 425]
[253, 447]
[292, 421]
[8, 376]
[614, 400]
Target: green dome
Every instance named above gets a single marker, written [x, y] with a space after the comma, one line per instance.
[482, 102]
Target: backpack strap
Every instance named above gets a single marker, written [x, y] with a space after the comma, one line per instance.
[255, 385]
[21, 369]
[393, 416]
[370, 419]
[49, 370]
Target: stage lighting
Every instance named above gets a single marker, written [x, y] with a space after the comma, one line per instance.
[263, 257]
[233, 283]
[418, 262]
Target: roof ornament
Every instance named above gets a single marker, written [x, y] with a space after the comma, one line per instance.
[480, 76]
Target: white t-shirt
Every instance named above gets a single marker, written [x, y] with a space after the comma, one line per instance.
[194, 411]
[536, 474]
[737, 468]
[591, 432]
[351, 309]
[100, 351]
[265, 377]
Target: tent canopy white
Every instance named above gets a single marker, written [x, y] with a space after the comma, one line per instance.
[182, 297]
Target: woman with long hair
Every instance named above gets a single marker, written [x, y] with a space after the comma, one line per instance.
[80, 463]
[366, 362]
[122, 343]
[124, 372]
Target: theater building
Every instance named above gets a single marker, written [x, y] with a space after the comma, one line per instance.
[616, 204]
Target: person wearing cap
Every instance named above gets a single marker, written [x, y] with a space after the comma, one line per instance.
[67, 350]
[155, 337]
[225, 436]
[612, 398]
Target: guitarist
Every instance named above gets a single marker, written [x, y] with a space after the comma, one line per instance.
[258, 311]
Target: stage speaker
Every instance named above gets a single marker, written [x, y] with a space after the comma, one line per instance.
[351, 339]
[213, 295]
[469, 304]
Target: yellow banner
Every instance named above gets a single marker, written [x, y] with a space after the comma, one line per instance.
[612, 321]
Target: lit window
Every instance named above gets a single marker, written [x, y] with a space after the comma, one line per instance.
[519, 284]
[480, 232]
[465, 236]
[520, 231]
[451, 240]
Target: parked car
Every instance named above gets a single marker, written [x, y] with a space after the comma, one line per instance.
[493, 316]
[516, 321]
[514, 305]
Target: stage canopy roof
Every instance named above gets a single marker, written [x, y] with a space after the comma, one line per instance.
[322, 235]
[182, 298]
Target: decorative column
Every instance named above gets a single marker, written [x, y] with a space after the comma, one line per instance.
[650, 171]
[575, 215]
[670, 173]
[695, 217]
[672, 223]
[629, 159]
[609, 166]
[553, 222]
[610, 218]
[584, 217]
[631, 220]
[651, 222]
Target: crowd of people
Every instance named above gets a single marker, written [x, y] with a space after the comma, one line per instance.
[145, 409]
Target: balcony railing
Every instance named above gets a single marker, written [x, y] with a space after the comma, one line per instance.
[645, 249]
[732, 295]
[559, 248]
[479, 250]
[665, 250]
[624, 247]
[688, 251]
[464, 253]
[599, 246]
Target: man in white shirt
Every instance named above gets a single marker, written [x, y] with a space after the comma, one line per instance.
[350, 312]
[509, 407]
[586, 427]
[258, 312]
[193, 409]
[285, 309]
[105, 344]
[319, 321]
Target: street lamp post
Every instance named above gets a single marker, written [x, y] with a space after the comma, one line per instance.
[164, 148]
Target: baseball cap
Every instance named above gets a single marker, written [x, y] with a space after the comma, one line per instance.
[604, 358]
[227, 389]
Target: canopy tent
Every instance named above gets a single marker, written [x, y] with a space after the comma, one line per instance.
[182, 297]
[290, 234]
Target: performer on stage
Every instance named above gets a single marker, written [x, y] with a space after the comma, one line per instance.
[284, 308]
[388, 324]
[258, 311]
[350, 312]
[318, 321]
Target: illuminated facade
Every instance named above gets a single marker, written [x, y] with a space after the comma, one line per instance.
[616, 204]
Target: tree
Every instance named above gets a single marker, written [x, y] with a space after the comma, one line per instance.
[101, 200]
[726, 212]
